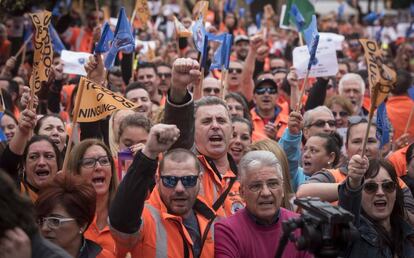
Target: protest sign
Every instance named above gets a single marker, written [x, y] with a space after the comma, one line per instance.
[142, 11]
[43, 50]
[332, 37]
[74, 62]
[327, 63]
[146, 45]
[181, 31]
[97, 102]
[200, 10]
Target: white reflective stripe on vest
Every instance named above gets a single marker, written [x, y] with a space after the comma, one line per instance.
[161, 233]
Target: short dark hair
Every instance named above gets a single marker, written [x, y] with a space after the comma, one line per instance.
[74, 194]
[245, 121]
[409, 153]
[134, 86]
[179, 155]
[145, 65]
[242, 100]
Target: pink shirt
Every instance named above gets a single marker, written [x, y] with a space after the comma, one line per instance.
[240, 236]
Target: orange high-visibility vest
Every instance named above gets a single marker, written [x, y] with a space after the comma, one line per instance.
[259, 126]
[162, 234]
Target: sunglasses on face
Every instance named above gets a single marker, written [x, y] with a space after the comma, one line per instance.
[172, 181]
[166, 75]
[235, 70]
[341, 113]
[208, 90]
[261, 91]
[322, 123]
[53, 222]
[387, 187]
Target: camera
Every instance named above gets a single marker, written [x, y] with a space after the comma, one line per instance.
[326, 229]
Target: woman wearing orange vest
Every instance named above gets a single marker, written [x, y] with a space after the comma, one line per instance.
[174, 222]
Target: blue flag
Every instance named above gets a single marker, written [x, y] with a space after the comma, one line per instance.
[242, 12]
[341, 10]
[297, 17]
[249, 2]
[3, 137]
[204, 53]
[104, 43]
[411, 92]
[383, 125]
[230, 6]
[199, 33]
[57, 43]
[311, 35]
[123, 39]
[259, 20]
[221, 57]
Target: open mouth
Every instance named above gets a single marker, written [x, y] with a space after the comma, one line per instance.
[100, 180]
[55, 141]
[141, 109]
[215, 138]
[42, 173]
[236, 149]
[266, 203]
[307, 164]
[380, 204]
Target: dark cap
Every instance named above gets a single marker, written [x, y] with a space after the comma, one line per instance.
[265, 81]
[241, 38]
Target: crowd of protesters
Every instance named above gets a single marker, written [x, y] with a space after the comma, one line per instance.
[207, 165]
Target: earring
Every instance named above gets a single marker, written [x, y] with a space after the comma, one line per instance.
[329, 163]
[80, 232]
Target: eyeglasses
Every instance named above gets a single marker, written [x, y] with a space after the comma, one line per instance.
[372, 187]
[172, 181]
[166, 75]
[341, 113]
[215, 90]
[91, 162]
[261, 91]
[322, 123]
[53, 222]
[235, 70]
[271, 184]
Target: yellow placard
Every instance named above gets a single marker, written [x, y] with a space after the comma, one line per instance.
[381, 78]
[180, 29]
[200, 9]
[142, 12]
[43, 50]
[97, 102]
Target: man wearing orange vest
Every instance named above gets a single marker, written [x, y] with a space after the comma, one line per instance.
[206, 129]
[173, 222]
[267, 117]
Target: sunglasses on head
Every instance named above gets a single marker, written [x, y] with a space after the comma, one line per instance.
[261, 91]
[172, 181]
[235, 70]
[354, 120]
[341, 113]
[215, 90]
[322, 123]
[387, 187]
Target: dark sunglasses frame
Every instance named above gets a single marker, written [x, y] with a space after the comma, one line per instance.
[322, 123]
[172, 181]
[387, 187]
[237, 70]
[263, 90]
[215, 90]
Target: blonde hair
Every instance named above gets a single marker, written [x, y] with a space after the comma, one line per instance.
[274, 147]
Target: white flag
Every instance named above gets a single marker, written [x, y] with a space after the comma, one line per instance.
[74, 62]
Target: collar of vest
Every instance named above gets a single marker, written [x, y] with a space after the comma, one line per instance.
[200, 207]
[207, 160]
[276, 113]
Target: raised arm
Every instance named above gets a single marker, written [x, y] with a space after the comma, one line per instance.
[124, 214]
[179, 108]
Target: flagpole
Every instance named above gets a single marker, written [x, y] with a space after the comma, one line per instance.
[302, 92]
[223, 82]
[407, 126]
[74, 121]
[370, 116]
[23, 47]
[300, 38]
